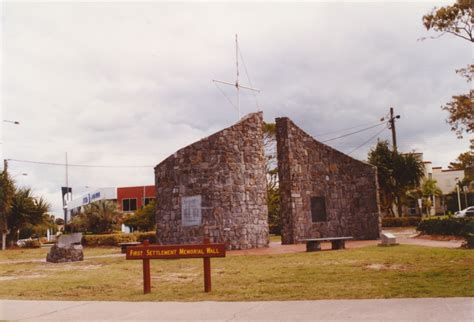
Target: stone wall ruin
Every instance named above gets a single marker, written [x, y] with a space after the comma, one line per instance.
[323, 192]
[215, 187]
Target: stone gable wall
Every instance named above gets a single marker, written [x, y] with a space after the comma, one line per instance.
[227, 169]
[308, 168]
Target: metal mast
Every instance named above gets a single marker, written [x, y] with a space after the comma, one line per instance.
[237, 85]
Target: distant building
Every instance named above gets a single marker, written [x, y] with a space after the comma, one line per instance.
[445, 179]
[128, 199]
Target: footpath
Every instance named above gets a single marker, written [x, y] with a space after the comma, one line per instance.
[425, 309]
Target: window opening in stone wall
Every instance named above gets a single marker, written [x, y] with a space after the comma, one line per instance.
[129, 204]
[318, 209]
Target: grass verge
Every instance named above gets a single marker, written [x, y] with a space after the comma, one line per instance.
[370, 272]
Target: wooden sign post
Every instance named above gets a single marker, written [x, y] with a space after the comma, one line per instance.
[205, 251]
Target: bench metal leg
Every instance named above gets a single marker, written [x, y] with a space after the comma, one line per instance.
[338, 244]
[312, 246]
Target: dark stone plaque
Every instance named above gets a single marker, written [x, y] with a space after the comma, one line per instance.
[318, 209]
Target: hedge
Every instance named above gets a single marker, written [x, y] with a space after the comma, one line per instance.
[150, 235]
[447, 226]
[400, 221]
[115, 239]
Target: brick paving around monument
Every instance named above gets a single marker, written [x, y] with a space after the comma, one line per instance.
[277, 248]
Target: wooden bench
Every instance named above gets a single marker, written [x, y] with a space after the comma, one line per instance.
[124, 246]
[314, 244]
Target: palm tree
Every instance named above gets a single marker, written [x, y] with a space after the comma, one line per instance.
[26, 209]
[101, 216]
[396, 174]
[425, 192]
[428, 190]
[7, 190]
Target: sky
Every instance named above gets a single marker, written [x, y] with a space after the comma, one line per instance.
[127, 84]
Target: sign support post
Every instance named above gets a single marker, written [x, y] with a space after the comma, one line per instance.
[146, 272]
[145, 252]
[207, 270]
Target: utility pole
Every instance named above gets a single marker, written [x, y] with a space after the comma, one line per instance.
[4, 224]
[392, 127]
[66, 196]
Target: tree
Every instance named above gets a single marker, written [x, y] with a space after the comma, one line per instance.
[7, 191]
[456, 20]
[26, 210]
[429, 188]
[59, 221]
[40, 229]
[396, 173]
[98, 217]
[144, 219]
[273, 190]
[464, 160]
[461, 107]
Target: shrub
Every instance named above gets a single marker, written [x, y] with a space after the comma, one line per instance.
[469, 241]
[447, 226]
[107, 239]
[150, 235]
[400, 221]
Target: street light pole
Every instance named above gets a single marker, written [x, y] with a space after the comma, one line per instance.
[13, 122]
[459, 195]
[20, 174]
[1, 143]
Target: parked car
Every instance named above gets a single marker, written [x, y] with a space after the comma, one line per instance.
[28, 242]
[468, 212]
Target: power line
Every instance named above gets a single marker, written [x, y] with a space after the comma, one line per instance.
[370, 139]
[81, 165]
[348, 134]
[345, 129]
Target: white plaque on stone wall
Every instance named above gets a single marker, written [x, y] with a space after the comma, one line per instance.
[191, 211]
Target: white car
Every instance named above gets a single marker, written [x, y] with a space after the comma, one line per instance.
[468, 212]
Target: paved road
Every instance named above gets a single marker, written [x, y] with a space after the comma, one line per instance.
[429, 309]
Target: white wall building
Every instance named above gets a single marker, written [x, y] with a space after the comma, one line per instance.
[447, 179]
[77, 203]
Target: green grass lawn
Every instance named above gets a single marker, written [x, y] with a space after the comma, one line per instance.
[275, 238]
[370, 272]
[20, 254]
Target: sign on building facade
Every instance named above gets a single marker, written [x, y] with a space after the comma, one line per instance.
[191, 211]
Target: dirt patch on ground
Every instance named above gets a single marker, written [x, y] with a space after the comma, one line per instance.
[72, 266]
[379, 267]
[19, 277]
[438, 237]
[175, 277]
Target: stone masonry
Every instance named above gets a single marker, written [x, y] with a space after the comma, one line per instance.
[316, 180]
[223, 178]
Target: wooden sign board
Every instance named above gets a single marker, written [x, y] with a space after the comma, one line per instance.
[176, 251]
[146, 252]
